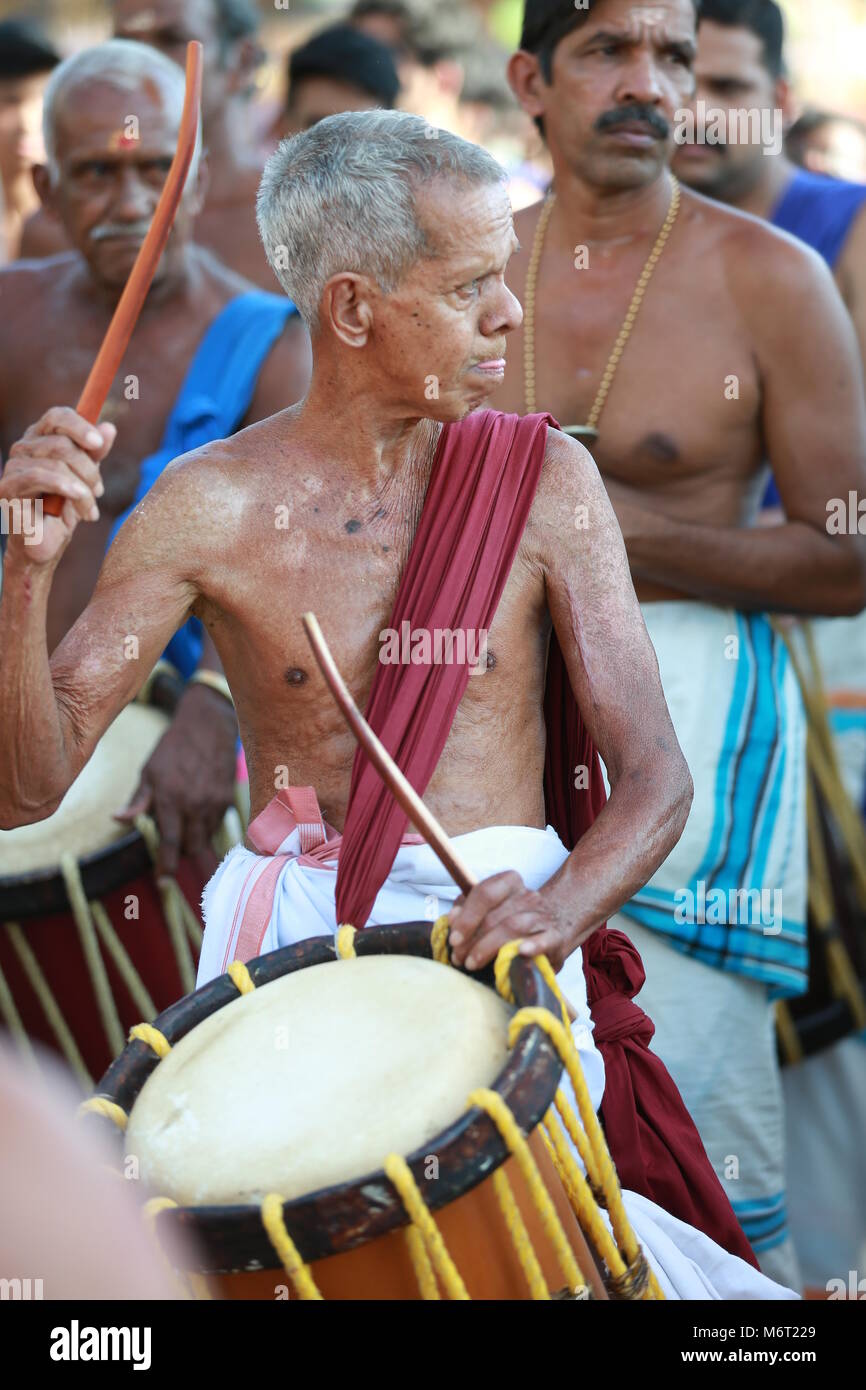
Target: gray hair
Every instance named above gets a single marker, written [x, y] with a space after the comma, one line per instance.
[119, 63]
[341, 197]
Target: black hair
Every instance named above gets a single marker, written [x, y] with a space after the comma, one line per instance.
[763, 17]
[24, 50]
[236, 19]
[547, 22]
[348, 55]
[812, 121]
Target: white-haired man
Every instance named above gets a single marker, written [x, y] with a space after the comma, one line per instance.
[396, 247]
[209, 353]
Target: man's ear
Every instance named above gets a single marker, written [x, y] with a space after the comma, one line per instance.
[347, 309]
[196, 194]
[527, 82]
[246, 58]
[783, 100]
[45, 190]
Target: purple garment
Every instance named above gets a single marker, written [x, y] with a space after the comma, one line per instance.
[820, 211]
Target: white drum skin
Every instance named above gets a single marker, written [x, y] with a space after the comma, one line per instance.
[84, 821]
[313, 1079]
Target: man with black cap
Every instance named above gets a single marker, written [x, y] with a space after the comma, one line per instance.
[26, 59]
[339, 69]
[684, 343]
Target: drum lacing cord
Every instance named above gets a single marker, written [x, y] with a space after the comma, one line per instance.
[493, 1105]
[299, 1272]
[439, 941]
[428, 1234]
[564, 1043]
[240, 977]
[173, 903]
[345, 942]
[585, 1207]
[591, 1144]
[150, 1212]
[101, 1105]
[146, 1033]
[501, 970]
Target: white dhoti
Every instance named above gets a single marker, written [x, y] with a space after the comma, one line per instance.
[257, 903]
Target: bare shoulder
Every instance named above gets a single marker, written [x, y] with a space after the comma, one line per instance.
[571, 505]
[210, 488]
[761, 265]
[24, 284]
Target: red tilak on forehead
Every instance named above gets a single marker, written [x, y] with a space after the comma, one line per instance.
[121, 141]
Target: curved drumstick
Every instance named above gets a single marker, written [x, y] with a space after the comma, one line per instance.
[115, 342]
[402, 790]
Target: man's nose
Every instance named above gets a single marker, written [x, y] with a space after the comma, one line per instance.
[133, 199]
[640, 83]
[503, 314]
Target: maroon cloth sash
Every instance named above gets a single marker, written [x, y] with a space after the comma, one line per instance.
[483, 481]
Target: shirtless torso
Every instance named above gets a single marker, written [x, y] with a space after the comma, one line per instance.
[718, 375]
[37, 297]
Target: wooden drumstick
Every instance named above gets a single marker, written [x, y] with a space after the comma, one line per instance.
[129, 306]
[426, 823]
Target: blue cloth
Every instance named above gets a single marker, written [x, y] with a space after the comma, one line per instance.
[820, 211]
[214, 399]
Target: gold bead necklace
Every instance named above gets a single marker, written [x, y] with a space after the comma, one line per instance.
[589, 431]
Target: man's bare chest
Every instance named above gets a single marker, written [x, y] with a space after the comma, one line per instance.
[351, 582]
[682, 404]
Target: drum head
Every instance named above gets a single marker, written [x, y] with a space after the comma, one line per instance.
[84, 825]
[313, 1079]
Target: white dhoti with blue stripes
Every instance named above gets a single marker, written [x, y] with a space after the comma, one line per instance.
[722, 925]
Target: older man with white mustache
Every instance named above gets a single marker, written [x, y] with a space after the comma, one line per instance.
[210, 353]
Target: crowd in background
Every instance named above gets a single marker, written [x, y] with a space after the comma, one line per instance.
[442, 59]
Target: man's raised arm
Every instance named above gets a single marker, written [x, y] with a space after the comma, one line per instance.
[615, 678]
[52, 714]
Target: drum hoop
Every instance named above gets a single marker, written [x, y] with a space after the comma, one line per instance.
[342, 1217]
[42, 892]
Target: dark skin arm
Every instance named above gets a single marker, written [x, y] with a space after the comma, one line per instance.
[189, 781]
[53, 713]
[614, 675]
[814, 425]
[851, 278]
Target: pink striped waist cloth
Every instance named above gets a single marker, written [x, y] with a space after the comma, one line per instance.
[293, 808]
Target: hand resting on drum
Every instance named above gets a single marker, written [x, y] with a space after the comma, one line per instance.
[499, 909]
[60, 454]
[189, 781]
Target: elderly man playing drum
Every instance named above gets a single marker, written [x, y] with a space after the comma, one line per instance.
[393, 239]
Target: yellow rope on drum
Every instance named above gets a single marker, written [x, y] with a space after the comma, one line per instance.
[42, 989]
[502, 974]
[345, 942]
[439, 940]
[424, 1271]
[520, 1237]
[171, 897]
[608, 1181]
[297, 1270]
[90, 946]
[240, 977]
[101, 1105]
[146, 1033]
[127, 971]
[493, 1104]
[584, 1206]
[13, 1022]
[398, 1172]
